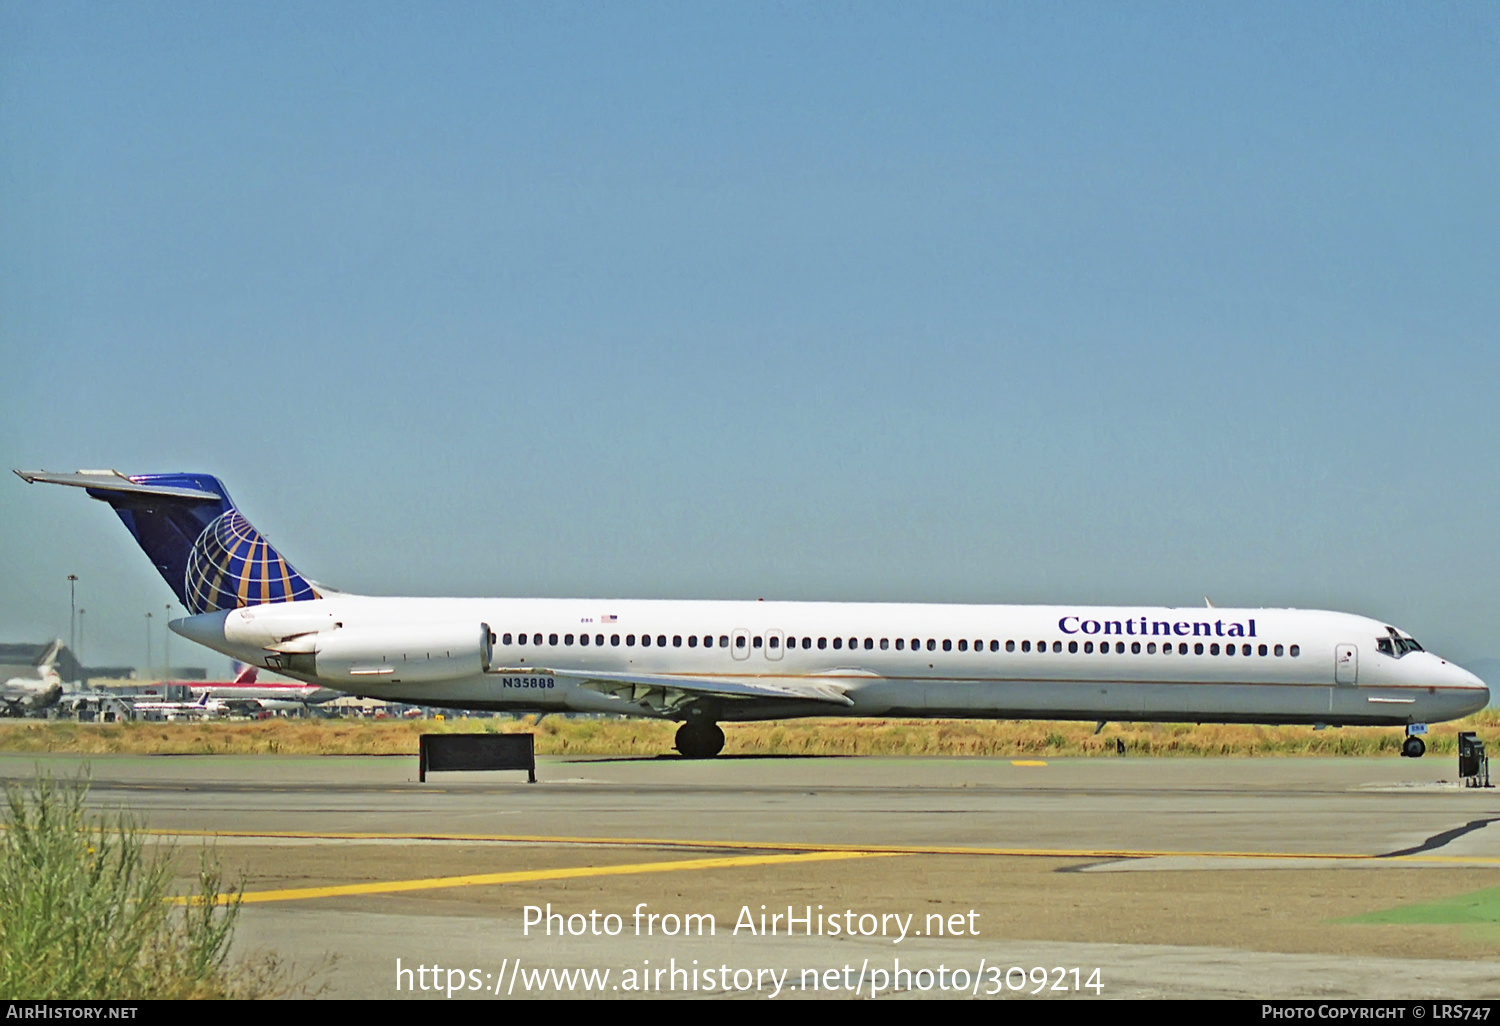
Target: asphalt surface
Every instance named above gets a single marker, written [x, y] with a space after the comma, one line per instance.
[1170, 877]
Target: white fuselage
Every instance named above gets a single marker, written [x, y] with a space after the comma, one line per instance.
[1011, 662]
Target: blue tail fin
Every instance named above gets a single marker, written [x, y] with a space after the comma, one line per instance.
[208, 554]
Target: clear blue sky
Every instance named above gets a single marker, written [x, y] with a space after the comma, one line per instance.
[1033, 302]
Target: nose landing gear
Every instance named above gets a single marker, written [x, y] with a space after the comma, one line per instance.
[1414, 747]
[699, 739]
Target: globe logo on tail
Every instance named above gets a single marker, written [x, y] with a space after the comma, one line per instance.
[231, 566]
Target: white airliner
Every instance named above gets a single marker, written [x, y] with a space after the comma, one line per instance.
[247, 694]
[31, 688]
[203, 708]
[701, 663]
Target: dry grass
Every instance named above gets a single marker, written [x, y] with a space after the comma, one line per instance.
[558, 736]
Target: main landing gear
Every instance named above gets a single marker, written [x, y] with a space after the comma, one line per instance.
[700, 739]
[1414, 747]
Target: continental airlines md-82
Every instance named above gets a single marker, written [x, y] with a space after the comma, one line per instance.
[705, 662]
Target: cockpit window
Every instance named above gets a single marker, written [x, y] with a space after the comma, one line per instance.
[1396, 645]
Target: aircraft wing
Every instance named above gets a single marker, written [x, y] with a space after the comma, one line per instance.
[667, 692]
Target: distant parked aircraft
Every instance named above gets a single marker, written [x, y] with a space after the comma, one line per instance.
[30, 688]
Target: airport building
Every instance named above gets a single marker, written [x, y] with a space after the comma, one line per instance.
[23, 656]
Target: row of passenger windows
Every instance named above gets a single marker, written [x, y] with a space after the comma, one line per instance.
[901, 644]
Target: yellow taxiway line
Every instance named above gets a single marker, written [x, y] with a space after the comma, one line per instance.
[534, 875]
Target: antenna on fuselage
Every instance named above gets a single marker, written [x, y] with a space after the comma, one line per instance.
[1207, 603]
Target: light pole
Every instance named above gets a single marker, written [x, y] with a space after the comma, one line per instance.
[77, 655]
[72, 615]
[148, 642]
[166, 640]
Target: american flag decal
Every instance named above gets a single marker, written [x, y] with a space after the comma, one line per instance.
[610, 618]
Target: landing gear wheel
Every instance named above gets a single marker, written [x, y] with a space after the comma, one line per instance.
[1413, 748]
[699, 740]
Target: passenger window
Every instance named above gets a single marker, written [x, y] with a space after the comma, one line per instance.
[724, 641]
[885, 643]
[931, 644]
[947, 645]
[1294, 651]
[838, 643]
[869, 644]
[1244, 650]
[739, 642]
[1262, 650]
[536, 639]
[994, 646]
[807, 642]
[1088, 647]
[506, 639]
[630, 639]
[1010, 646]
[1278, 650]
[1057, 646]
[645, 641]
[552, 639]
[1072, 646]
[1197, 648]
[773, 642]
[963, 644]
[1182, 648]
[1229, 650]
[1151, 648]
[567, 639]
[583, 639]
[822, 642]
[1213, 649]
[916, 643]
[853, 642]
[661, 640]
[1025, 646]
[614, 639]
[900, 644]
[677, 641]
[692, 641]
[1135, 648]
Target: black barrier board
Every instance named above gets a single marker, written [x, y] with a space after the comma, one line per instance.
[439, 753]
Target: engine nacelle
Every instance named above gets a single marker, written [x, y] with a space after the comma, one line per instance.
[402, 655]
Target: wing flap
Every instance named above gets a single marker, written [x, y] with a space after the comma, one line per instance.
[671, 691]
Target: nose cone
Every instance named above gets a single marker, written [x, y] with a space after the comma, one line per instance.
[1476, 693]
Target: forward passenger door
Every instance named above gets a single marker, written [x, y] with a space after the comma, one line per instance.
[1346, 664]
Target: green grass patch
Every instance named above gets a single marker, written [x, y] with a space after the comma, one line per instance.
[1478, 908]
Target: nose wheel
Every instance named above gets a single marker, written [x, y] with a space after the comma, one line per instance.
[699, 740]
[1413, 747]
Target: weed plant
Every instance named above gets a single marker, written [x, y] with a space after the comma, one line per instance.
[86, 911]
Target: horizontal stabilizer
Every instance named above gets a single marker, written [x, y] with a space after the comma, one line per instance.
[114, 481]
